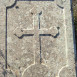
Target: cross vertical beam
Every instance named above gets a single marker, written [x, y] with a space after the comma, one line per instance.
[37, 33]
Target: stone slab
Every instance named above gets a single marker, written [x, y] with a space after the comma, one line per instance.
[36, 38]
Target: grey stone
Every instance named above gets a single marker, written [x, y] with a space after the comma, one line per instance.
[36, 39]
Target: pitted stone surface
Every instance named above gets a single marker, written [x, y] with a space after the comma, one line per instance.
[36, 39]
[37, 71]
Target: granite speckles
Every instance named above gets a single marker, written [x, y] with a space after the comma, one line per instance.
[35, 39]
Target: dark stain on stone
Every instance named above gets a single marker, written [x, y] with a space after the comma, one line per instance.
[31, 13]
[17, 7]
[21, 30]
[19, 67]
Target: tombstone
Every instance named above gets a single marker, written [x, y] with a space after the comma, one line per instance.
[36, 38]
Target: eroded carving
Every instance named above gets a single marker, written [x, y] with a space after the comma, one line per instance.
[37, 33]
[60, 3]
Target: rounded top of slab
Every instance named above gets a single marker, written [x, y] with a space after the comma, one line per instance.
[11, 3]
[60, 3]
[8, 3]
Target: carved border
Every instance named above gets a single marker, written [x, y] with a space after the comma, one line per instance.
[67, 37]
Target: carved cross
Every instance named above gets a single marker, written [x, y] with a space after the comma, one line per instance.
[37, 33]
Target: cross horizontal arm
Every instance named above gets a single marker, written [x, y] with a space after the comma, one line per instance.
[48, 32]
[54, 32]
[24, 35]
[20, 33]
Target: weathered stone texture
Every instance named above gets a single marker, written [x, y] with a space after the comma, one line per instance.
[36, 39]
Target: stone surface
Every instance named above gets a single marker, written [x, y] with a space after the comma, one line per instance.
[36, 39]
